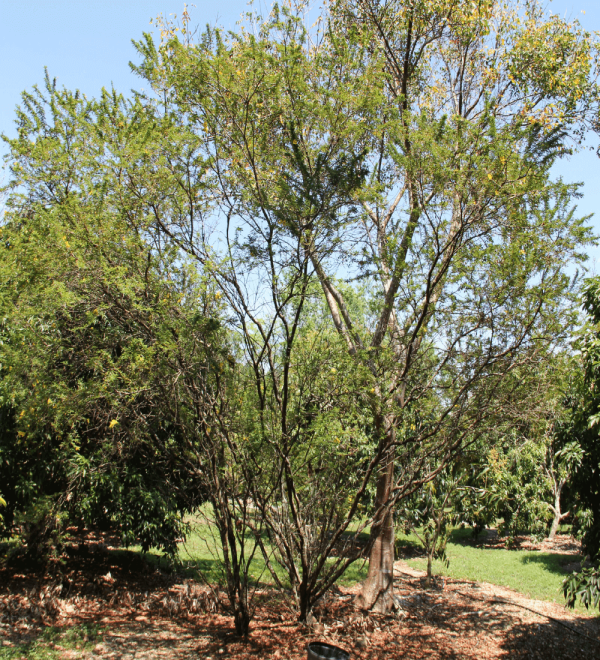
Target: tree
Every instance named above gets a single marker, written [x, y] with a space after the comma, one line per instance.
[101, 325]
[406, 146]
[579, 432]
[303, 401]
[560, 468]
[467, 135]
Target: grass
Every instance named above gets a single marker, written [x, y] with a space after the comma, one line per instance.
[53, 642]
[537, 575]
[200, 558]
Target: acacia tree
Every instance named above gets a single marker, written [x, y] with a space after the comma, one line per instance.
[407, 145]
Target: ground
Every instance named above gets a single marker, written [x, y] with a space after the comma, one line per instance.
[99, 603]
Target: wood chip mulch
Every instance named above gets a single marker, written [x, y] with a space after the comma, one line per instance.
[145, 614]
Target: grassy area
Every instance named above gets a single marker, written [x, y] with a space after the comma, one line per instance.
[534, 574]
[200, 558]
[53, 642]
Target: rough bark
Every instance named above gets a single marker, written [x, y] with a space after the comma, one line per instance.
[378, 589]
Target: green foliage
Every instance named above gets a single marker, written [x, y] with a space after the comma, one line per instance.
[580, 430]
[430, 514]
[98, 322]
[584, 585]
[519, 489]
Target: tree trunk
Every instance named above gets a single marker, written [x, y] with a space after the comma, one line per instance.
[241, 617]
[558, 516]
[378, 589]
[304, 600]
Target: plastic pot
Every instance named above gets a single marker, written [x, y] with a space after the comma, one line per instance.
[322, 651]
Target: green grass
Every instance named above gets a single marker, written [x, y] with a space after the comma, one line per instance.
[200, 555]
[83, 638]
[200, 558]
[535, 574]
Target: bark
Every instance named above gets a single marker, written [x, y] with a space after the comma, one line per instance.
[558, 516]
[241, 618]
[378, 589]
[304, 601]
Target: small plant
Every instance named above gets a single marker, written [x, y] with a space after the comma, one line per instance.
[433, 517]
[42, 528]
[584, 585]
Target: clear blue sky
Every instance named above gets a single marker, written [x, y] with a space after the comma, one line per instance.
[86, 44]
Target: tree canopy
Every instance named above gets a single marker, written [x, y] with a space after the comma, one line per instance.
[300, 276]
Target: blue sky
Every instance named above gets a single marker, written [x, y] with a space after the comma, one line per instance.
[86, 44]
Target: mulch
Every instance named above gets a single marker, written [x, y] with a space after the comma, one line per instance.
[145, 613]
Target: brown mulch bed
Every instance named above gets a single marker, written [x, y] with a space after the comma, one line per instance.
[144, 614]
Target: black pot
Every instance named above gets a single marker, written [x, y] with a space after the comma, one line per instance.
[322, 651]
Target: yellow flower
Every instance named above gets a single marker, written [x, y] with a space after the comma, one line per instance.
[113, 423]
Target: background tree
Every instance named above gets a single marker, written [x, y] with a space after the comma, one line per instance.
[431, 513]
[561, 465]
[580, 430]
[100, 326]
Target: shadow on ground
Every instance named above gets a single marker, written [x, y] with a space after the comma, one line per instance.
[550, 640]
[558, 564]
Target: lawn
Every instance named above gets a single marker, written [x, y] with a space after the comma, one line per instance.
[535, 574]
[200, 557]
